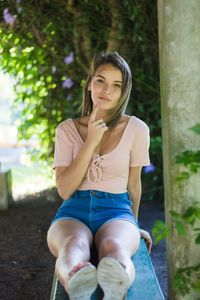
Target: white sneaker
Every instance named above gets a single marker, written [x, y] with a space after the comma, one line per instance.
[82, 284]
[112, 278]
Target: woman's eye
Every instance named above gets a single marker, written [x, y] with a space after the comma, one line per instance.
[117, 85]
[99, 80]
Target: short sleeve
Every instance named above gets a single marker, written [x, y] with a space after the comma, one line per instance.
[139, 155]
[63, 153]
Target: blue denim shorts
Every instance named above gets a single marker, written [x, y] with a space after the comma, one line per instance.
[95, 208]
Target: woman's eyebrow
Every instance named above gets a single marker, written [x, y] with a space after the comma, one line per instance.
[105, 78]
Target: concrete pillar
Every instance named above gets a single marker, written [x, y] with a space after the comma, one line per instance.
[179, 48]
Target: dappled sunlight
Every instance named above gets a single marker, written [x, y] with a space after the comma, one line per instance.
[27, 177]
[29, 180]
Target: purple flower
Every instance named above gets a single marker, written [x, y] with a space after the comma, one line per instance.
[68, 83]
[69, 59]
[149, 169]
[9, 19]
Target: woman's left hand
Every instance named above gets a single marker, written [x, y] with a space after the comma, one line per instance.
[146, 236]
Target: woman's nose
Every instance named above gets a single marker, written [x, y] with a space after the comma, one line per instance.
[106, 89]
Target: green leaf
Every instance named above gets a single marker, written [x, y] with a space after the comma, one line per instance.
[160, 231]
[182, 176]
[174, 214]
[192, 214]
[176, 282]
[194, 167]
[180, 227]
[197, 240]
[196, 128]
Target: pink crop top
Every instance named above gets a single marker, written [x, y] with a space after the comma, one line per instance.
[109, 172]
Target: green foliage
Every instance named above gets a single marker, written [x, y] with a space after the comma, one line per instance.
[33, 50]
[186, 278]
[196, 128]
[191, 217]
[189, 159]
[160, 231]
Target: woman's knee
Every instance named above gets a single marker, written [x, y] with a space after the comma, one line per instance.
[110, 245]
[67, 232]
[59, 240]
[51, 242]
[113, 244]
[75, 241]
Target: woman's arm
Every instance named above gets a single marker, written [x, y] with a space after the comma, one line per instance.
[69, 178]
[135, 188]
[135, 191]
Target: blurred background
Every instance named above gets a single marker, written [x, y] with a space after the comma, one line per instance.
[28, 177]
[45, 51]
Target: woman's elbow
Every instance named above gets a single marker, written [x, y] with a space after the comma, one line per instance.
[63, 195]
[63, 192]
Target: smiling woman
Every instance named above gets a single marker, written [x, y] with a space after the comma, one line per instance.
[108, 76]
[106, 86]
[98, 162]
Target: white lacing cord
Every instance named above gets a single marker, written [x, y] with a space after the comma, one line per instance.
[95, 170]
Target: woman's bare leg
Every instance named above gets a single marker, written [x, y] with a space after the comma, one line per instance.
[119, 239]
[69, 241]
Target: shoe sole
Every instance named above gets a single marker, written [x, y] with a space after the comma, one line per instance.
[112, 278]
[82, 284]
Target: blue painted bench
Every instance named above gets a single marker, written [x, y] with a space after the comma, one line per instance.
[144, 287]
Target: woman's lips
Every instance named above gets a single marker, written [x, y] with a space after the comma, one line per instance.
[104, 99]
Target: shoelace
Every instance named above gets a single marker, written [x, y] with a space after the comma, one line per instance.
[95, 170]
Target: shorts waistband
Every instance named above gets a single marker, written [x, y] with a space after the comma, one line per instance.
[97, 193]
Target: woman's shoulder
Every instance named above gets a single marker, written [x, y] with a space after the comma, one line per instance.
[138, 124]
[64, 125]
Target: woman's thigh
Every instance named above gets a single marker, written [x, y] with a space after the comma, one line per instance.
[61, 230]
[122, 231]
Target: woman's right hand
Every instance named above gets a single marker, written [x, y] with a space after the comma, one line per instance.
[96, 128]
[148, 240]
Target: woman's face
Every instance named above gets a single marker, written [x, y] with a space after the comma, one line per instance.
[106, 86]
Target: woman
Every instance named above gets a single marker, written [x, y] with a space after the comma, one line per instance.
[98, 161]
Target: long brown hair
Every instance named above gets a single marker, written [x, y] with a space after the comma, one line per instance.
[117, 61]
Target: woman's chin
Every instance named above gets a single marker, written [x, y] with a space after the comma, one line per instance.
[103, 104]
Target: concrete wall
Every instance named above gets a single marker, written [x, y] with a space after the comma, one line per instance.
[179, 47]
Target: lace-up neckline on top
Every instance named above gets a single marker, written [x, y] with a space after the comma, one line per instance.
[95, 170]
[110, 152]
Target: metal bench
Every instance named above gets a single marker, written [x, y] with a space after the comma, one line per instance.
[144, 287]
